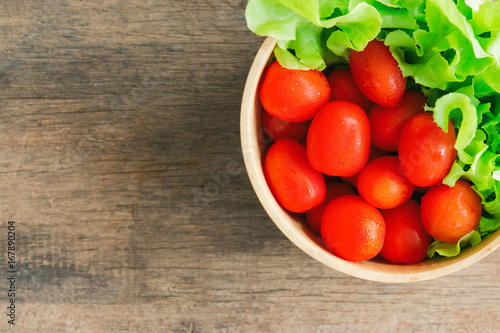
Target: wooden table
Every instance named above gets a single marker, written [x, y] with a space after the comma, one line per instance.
[122, 169]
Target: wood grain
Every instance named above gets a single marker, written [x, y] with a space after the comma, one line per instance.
[121, 165]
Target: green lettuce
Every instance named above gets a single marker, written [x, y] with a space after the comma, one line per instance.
[315, 33]
[450, 250]
[272, 18]
[450, 49]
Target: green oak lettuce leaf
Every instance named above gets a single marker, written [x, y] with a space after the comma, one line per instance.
[485, 17]
[446, 43]
[355, 30]
[315, 11]
[445, 20]
[300, 28]
[468, 60]
[491, 44]
[488, 224]
[288, 60]
[433, 70]
[480, 172]
[318, 12]
[446, 52]
[392, 13]
[477, 142]
[491, 199]
[308, 49]
[444, 106]
[415, 8]
[473, 238]
[488, 82]
[272, 18]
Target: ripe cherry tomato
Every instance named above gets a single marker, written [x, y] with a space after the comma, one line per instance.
[406, 241]
[292, 180]
[375, 152]
[338, 140]
[377, 73]
[345, 89]
[382, 183]
[426, 152]
[333, 190]
[293, 95]
[277, 129]
[387, 122]
[449, 213]
[352, 228]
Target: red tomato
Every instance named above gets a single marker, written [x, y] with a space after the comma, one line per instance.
[277, 129]
[333, 190]
[345, 89]
[377, 73]
[387, 122]
[406, 241]
[292, 180]
[426, 152]
[352, 228]
[382, 183]
[293, 95]
[338, 140]
[449, 213]
[375, 152]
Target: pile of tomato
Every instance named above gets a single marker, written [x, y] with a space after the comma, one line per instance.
[358, 154]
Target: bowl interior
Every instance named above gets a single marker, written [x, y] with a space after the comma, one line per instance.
[254, 146]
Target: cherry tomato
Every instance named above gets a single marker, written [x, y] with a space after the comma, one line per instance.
[382, 183]
[377, 73]
[449, 213]
[426, 152]
[292, 180]
[293, 95]
[387, 122]
[375, 152]
[352, 228]
[345, 89]
[277, 129]
[333, 190]
[338, 140]
[406, 241]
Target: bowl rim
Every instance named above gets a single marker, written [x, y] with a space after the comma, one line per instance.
[299, 234]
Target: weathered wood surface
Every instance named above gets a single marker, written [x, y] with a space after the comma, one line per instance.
[121, 165]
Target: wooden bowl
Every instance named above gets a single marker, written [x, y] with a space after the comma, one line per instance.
[294, 226]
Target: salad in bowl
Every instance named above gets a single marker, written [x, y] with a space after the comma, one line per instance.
[370, 131]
